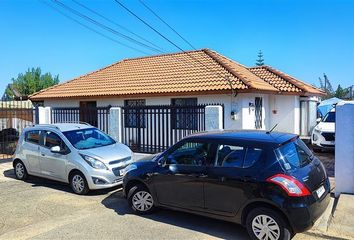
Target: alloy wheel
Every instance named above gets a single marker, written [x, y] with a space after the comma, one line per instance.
[78, 183]
[20, 170]
[142, 201]
[265, 228]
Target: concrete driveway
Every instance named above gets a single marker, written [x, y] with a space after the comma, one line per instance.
[44, 209]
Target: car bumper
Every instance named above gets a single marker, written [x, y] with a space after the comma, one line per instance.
[99, 179]
[303, 216]
[319, 141]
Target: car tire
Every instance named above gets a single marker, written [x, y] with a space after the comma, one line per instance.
[259, 220]
[140, 200]
[20, 170]
[78, 183]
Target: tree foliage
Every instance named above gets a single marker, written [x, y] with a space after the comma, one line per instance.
[30, 82]
[260, 60]
[326, 86]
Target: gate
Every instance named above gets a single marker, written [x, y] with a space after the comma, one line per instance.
[95, 116]
[14, 117]
[152, 129]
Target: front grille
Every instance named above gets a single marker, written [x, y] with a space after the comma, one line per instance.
[120, 160]
[328, 136]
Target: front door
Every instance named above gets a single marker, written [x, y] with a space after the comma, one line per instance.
[31, 151]
[52, 164]
[258, 113]
[181, 182]
[88, 112]
[230, 178]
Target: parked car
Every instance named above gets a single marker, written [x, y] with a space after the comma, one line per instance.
[271, 183]
[323, 134]
[78, 154]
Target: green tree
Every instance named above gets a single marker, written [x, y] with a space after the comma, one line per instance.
[260, 60]
[30, 82]
[341, 92]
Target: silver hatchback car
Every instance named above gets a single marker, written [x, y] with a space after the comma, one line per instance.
[78, 154]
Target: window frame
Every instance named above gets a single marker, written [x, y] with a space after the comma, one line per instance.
[64, 149]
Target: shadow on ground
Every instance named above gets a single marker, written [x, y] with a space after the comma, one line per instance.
[212, 227]
[43, 182]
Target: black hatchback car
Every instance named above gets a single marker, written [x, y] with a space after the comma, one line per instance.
[271, 183]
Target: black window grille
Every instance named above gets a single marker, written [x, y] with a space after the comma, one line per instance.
[182, 115]
[134, 117]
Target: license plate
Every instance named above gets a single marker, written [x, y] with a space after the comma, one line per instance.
[320, 191]
[121, 172]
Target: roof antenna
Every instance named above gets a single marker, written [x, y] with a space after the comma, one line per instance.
[271, 130]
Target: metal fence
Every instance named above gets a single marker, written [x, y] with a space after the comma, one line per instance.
[151, 129]
[14, 117]
[96, 116]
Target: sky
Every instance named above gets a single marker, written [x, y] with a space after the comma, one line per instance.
[302, 38]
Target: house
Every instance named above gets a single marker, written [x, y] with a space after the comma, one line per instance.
[253, 98]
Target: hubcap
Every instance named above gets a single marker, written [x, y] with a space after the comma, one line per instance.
[265, 228]
[142, 201]
[20, 170]
[78, 183]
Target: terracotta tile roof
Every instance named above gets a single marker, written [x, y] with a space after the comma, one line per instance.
[284, 82]
[179, 73]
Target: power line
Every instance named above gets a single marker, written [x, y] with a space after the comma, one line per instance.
[115, 23]
[169, 26]
[174, 44]
[91, 29]
[105, 27]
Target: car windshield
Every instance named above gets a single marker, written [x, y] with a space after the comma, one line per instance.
[330, 117]
[88, 138]
[294, 154]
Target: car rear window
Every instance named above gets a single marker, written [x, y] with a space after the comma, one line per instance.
[294, 154]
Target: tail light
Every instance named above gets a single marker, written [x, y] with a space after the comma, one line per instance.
[291, 185]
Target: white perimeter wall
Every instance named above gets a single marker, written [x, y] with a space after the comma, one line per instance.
[281, 109]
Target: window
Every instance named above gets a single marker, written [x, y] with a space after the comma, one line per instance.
[230, 156]
[294, 154]
[88, 138]
[52, 140]
[190, 153]
[32, 136]
[185, 117]
[134, 116]
[330, 117]
[237, 156]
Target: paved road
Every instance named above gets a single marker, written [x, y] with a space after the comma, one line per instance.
[43, 209]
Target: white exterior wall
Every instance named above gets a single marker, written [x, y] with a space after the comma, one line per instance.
[286, 108]
[285, 111]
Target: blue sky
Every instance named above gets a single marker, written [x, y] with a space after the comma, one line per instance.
[302, 38]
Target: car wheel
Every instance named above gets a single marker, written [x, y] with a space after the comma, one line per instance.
[20, 171]
[78, 183]
[266, 224]
[140, 200]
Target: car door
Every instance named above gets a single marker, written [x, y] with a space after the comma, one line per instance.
[53, 164]
[31, 151]
[231, 178]
[180, 181]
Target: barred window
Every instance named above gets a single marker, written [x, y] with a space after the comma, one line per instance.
[134, 115]
[184, 115]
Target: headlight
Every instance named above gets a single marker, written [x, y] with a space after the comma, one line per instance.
[128, 168]
[93, 162]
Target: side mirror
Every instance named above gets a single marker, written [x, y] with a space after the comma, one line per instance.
[318, 120]
[55, 149]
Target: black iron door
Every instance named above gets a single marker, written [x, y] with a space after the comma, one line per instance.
[258, 113]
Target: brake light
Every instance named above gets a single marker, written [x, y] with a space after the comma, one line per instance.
[291, 185]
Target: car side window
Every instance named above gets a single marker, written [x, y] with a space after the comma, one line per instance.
[236, 156]
[230, 156]
[189, 153]
[32, 136]
[252, 156]
[52, 139]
